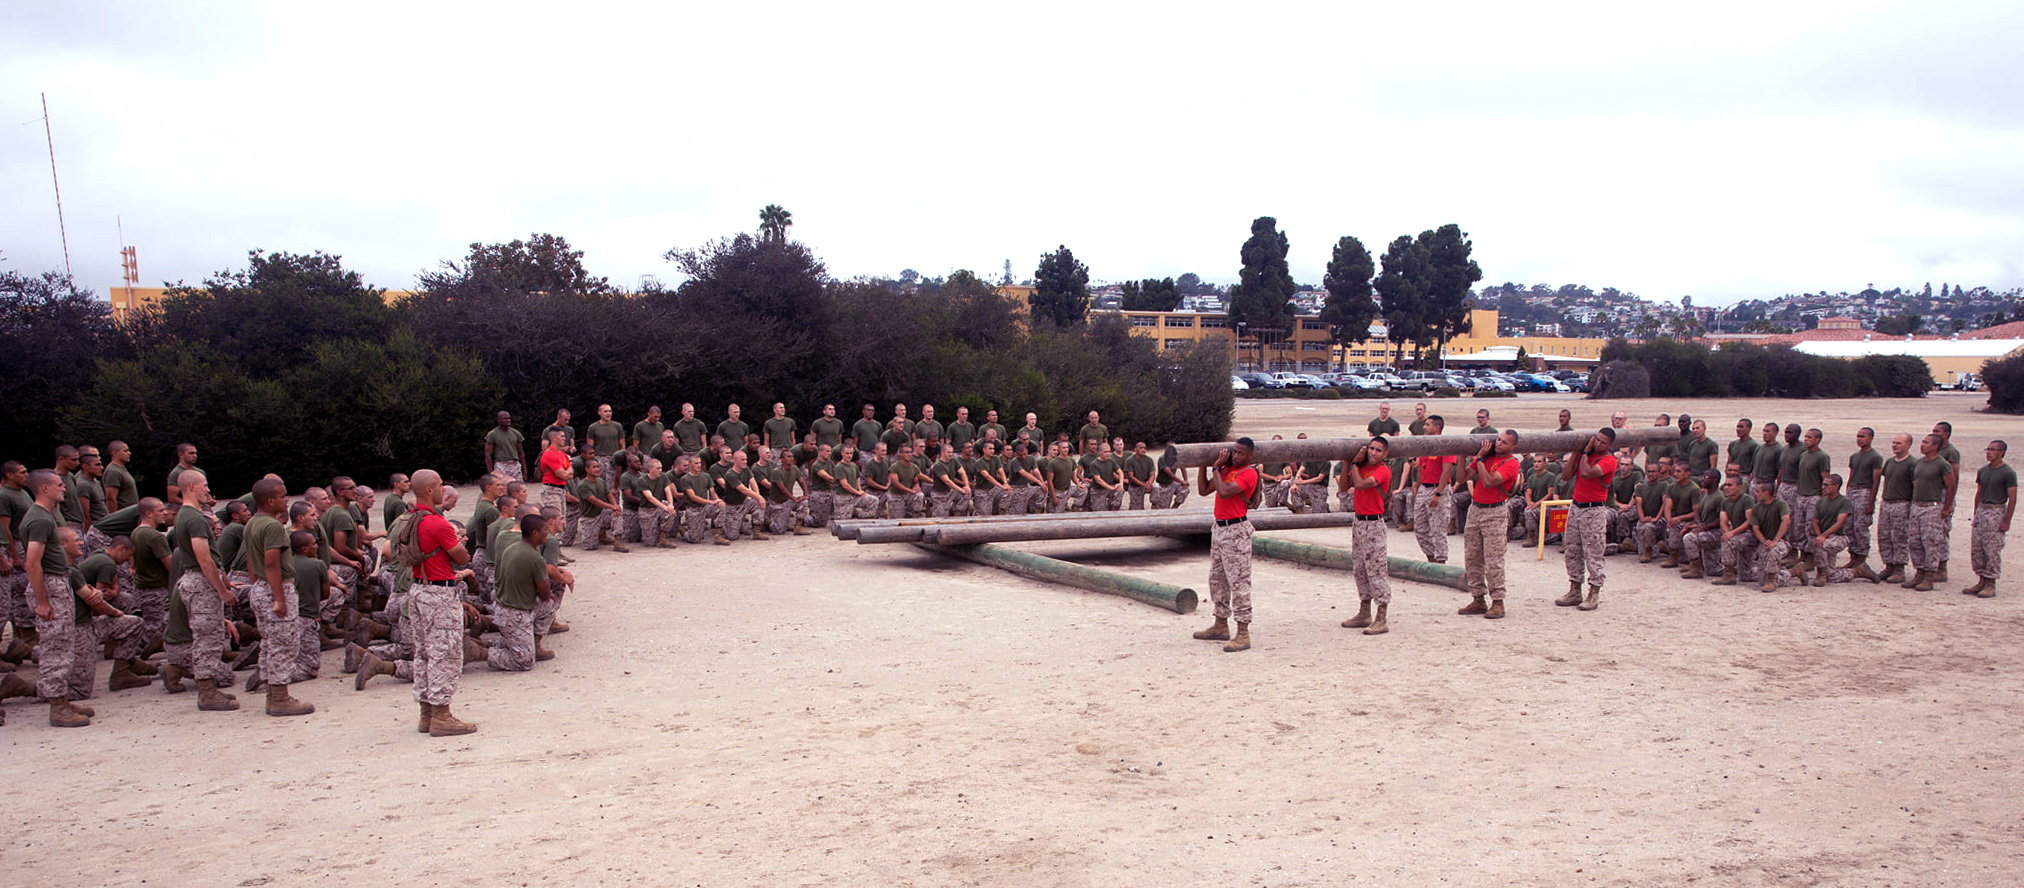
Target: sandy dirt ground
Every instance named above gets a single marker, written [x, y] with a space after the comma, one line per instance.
[811, 712]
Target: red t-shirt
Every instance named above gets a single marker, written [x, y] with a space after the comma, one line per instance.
[552, 464]
[436, 534]
[1508, 470]
[1370, 501]
[1246, 479]
[1594, 490]
[1432, 466]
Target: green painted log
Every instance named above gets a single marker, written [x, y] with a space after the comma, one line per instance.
[1053, 570]
[1340, 559]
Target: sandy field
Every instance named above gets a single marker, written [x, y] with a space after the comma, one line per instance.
[813, 712]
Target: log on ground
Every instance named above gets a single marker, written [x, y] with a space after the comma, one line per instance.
[1178, 599]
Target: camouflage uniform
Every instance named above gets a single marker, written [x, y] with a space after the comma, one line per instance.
[509, 470]
[88, 641]
[56, 649]
[946, 503]
[1404, 503]
[19, 612]
[1312, 496]
[514, 650]
[1864, 500]
[1754, 560]
[1230, 571]
[1705, 547]
[1275, 496]
[308, 652]
[821, 507]
[629, 526]
[1170, 495]
[1893, 531]
[1584, 544]
[780, 516]
[1929, 536]
[1648, 535]
[277, 663]
[1484, 538]
[552, 498]
[696, 520]
[439, 645]
[1371, 566]
[1430, 526]
[732, 519]
[1985, 541]
[1804, 545]
[589, 528]
[344, 594]
[656, 525]
[1823, 558]
[207, 627]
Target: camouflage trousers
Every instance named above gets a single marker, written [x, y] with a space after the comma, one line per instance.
[1310, 497]
[860, 506]
[629, 525]
[1515, 517]
[207, 628]
[590, 527]
[657, 526]
[511, 471]
[438, 621]
[346, 593]
[733, 518]
[1230, 571]
[1345, 502]
[1754, 561]
[278, 632]
[1802, 525]
[572, 517]
[821, 508]
[1704, 547]
[695, 520]
[514, 649]
[1136, 496]
[1894, 532]
[1676, 535]
[1075, 498]
[1985, 541]
[1370, 565]
[19, 611]
[1929, 536]
[1583, 544]
[88, 640]
[1484, 539]
[1864, 500]
[1170, 495]
[1789, 492]
[1649, 534]
[482, 576]
[945, 503]
[1533, 517]
[56, 644]
[1458, 507]
[1824, 554]
[1430, 526]
[553, 498]
[987, 501]
[1403, 501]
[1101, 500]
[1276, 494]
[152, 606]
[899, 504]
[780, 517]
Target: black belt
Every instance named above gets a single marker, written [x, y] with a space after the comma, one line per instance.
[1590, 505]
[556, 486]
[1434, 484]
[1362, 517]
[1226, 522]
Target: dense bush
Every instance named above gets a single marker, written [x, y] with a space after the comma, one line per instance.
[1492, 393]
[2005, 379]
[1668, 368]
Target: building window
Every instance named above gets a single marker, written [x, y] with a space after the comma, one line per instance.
[1144, 321]
[1180, 322]
[1312, 346]
[1221, 323]
[1176, 343]
[1313, 325]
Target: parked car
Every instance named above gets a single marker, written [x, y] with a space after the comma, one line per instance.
[1361, 383]
[1391, 380]
[1237, 384]
[1577, 384]
[1547, 383]
[1261, 381]
[1289, 379]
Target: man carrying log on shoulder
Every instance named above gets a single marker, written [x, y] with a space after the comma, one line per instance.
[1233, 483]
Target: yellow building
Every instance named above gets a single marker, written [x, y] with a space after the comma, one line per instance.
[126, 300]
[1307, 348]
[1482, 344]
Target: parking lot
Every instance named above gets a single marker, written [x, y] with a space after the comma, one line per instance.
[1369, 379]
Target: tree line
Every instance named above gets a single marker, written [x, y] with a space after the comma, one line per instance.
[294, 364]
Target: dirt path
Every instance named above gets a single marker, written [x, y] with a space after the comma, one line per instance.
[811, 712]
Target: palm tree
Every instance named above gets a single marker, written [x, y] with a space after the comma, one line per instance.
[773, 222]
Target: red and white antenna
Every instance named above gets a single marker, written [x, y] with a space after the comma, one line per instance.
[130, 265]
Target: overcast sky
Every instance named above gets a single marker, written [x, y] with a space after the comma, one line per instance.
[1723, 150]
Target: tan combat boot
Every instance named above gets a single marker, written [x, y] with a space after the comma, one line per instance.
[1239, 642]
[1362, 617]
[797, 529]
[542, 653]
[1218, 631]
[428, 715]
[15, 686]
[143, 667]
[123, 677]
[1496, 611]
[280, 704]
[1672, 559]
[210, 699]
[1940, 576]
[720, 540]
[1892, 573]
[1913, 580]
[1980, 582]
[64, 715]
[1988, 589]
[1377, 626]
[557, 627]
[1728, 578]
[368, 668]
[473, 651]
[1593, 601]
[1476, 605]
[172, 679]
[1862, 570]
[1926, 582]
[1572, 598]
[1693, 572]
[353, 655]
[443, 724]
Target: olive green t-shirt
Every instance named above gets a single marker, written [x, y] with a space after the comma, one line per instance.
[1312, 469]
[828, 430]
[40, 527]
[843, 471]
[1093, 431]
[1540, 488]
[1767, 515]
[907, 474]
[1863, 464]
[777, 482]
[1768, 457]
[1625, 485]
[1710, 509]
[867, 432]
[190, 524]
[120, 523]
[1825, 511]
[1683, 496]
[1383, 427]
[1788, 463]
[178, 629]
[647, 434]
[727, 486]
[151, 557]
[961, 433]
[591, 487]
[340, 520]
[1738, 509]
[392, 510]
[877, 472]
[1929, 480]
[606, 437]
[264, 533]
[815, 480]
[1061, 472]
[506, 445]
[519, 576]
[479, 526]
[700, 484]
[1813, 465]
[929, 428]
[1993, 483]
[895, 439]
[228, 555]
[734, 431]
[1897, 479]
[778, 431]
[1652, 498]
[122, 484]
[946, 474]
[689, 434]
[309, 574]
[1700, 454]
[98, 569]
[1105, 469]
[14, 506]
[1952, 455]
[1743, 452]
[630, 484]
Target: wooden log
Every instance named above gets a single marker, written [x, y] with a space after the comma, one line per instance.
[1341, 559]
[1189, 456]
[1079, 529]
[849, 529]
[1040, 567]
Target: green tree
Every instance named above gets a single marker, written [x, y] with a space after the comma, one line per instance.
[1191, 285]
[774, 221]
[543, 263]
[1151, 295]
[1900, 325]
[1402, 290]
[51, 333]
[1261, 301]
[266, 315]
[1060, 289]
[1349, 308]
[1450, 275]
